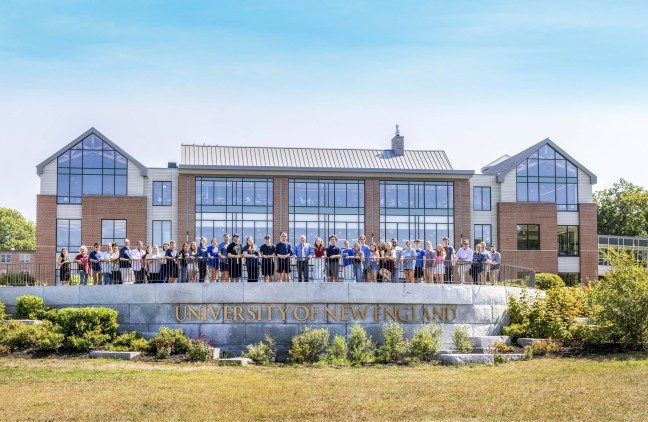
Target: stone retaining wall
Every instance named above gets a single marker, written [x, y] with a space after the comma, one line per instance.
[237, 314]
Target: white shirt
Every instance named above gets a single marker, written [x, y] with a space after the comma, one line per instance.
[465, 254]
[136, 255]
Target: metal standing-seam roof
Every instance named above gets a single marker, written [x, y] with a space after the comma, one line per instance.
[267, 158]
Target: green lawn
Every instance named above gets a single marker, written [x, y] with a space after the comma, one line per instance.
[610, 388]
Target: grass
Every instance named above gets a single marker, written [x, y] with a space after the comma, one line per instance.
[608, 388]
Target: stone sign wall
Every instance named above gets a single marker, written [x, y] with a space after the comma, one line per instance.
[235, 315]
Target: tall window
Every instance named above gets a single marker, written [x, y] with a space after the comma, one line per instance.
[528, 237]
[482, 234]
[570, 279]
[25, 258]
[162, 194]
[234, 205]
[91, 167]
[546, 176]
[321, 208]
[68, 235]
[416, 210]
[161, 232]
[481, 198]
[113, 231]
[5, 258]
[567, 240]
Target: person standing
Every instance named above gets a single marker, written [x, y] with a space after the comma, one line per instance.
[63, 263]
[477, 266]
[439, 266]
[464, 258]
[192, 264]
[183, 256]
[95, 267]
[366, 252]
[420, 254]
[136, 256]
[398, 269]
[319, 250]
[284, 251]
[408, 260]
[164, 276]
[389, 263]
[494, 264]
[83, 265]
[251, 255]
[224, 263]
[347, 262]
[201, 257]
[234, 254]
[449, 259]
[358, 263]
[303, 252]
[429, 262]
[153, 264]
[267, 253]
[105, 264]
[170, 257]
[124, 261]
[333, 255]
[372, 271]
[115, 263]
[212, 261]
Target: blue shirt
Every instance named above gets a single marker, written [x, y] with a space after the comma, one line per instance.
[251, 261]
[202, 252]
[308, 250]
[283, 248]
[366, 252]
[345, 254]
[213, 251]
[420, 253]
[124, 253]
[409, 258]
[222, 249]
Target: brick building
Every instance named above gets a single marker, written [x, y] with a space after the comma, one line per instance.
[536, 205]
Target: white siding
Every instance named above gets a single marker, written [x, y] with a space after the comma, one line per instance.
[48, 179]
[568, 264]
[568, 219]
[68, 212]
[135, 180]
[509, 187]
[485, 217]
[584, 188]
[158, 212]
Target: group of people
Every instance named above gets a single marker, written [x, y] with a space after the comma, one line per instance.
[225, 261]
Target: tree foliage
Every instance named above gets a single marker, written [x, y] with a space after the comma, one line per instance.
[16, 231]
[622, 210]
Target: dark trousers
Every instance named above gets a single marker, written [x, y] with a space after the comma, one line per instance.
[202, 271]
[302, 270]
[448, 274]
[139, 276]
[253, 272]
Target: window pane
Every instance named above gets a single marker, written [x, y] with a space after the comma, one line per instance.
[533, 192]
[486, 199]
[92, 185]
[442, 197]
[77, 158]
[120, 161]
[477, 193]
[522, 192]
[120, 185]
[533, 167]
[547, 168]
[92, 159]
[522, 169]
[64, 159]
[547, 152]
[547, 192]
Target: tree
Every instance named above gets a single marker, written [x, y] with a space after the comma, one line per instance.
[16, 231]
[622, 210]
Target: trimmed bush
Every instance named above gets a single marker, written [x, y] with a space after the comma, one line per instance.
[261, 353]
[461, 339]
[395, 346]
[308, 346]
[129, 342]
[361, 348]
[200, 350]
[548, 281]
[169, 342]
[2, 311]
[87, 328]
[29, 307]
[16, 335]
[336, 354]
[427, 342]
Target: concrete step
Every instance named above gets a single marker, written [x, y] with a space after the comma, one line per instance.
[455, 359]
[487, 341]
[523, 342]
[113, 355]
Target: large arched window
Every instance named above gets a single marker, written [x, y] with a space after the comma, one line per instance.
[546, 176]
[91, 167]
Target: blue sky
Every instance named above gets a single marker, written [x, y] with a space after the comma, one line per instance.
[477, 79]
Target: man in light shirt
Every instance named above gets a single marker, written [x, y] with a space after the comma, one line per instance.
[303, 252]
[464, 258]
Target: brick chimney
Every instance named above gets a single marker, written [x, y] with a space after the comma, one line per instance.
[398, 144]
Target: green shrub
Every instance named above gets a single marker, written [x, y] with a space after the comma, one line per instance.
[87, 328]
[395, 345]
[336, 354]
[427, 342]
[501, 347]
[29, 307]
[169, 342]
[16, 335]
[548, 281]
[461, 339]
[528, 352]
[546, 316]
[263, 352]
[546, 347]
[17, 279]
[129, 342]
[200, 350]
[619, 302]
[308, 346]
[2, 311]
[499, 358]
[361, 348]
